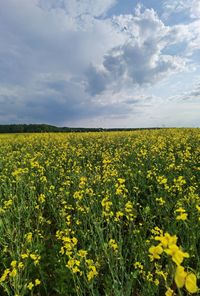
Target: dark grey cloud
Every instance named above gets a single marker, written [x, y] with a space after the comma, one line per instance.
[45, 47]
[96, 80]
[137, 64]
[54, 101]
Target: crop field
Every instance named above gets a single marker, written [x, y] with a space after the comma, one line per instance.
[115, 214]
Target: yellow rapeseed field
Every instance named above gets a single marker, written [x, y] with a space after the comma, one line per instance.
[114, 213]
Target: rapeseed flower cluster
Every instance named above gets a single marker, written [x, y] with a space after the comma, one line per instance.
[168, 245]
[76, 210]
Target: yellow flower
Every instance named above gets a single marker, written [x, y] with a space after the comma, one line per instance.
[13, 273]
[188, 279]
[5, 274]
[138, 265]
[113, 245]
[13, 263]
[33, 256]
[7, 203]
[37, 282]
[156, 282]
[163, 274]
[177, 254]
[169, 292]
[74, 241]
[24, 256]
[36, 258]
[182, 216]
[30, 286]
[167, 239]
[92, 273]
[20, 265]
[128, 207]
[119, 214]
[156, 231]
[180, 210]
[29, 237]
[62, 251]
[155, 252]
[82, 253]
[180, 276]
[191, 283]
[160, 201]
[121, 181]
[149, 276]
[75, 269]
[41, 198]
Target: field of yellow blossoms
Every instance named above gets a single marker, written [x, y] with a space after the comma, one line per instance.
[115, 214]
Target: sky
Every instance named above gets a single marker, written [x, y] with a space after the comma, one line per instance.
[100, 63]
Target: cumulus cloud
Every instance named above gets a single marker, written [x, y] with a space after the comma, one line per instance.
[38, 43]
[66, 61]
[140, 59]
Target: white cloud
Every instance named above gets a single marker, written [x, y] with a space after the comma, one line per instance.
[195, 9]
[43, 57]
[194, 43]
[176, 5]
[77, 8]
[187, 15]
[65, 61]
[193, 95]
[39, 41]
[140, 59]
[190, 7]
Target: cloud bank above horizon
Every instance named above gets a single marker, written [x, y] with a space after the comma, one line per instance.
[103, 63]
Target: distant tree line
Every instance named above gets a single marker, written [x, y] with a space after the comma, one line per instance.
[37, 128]
[45, 128]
